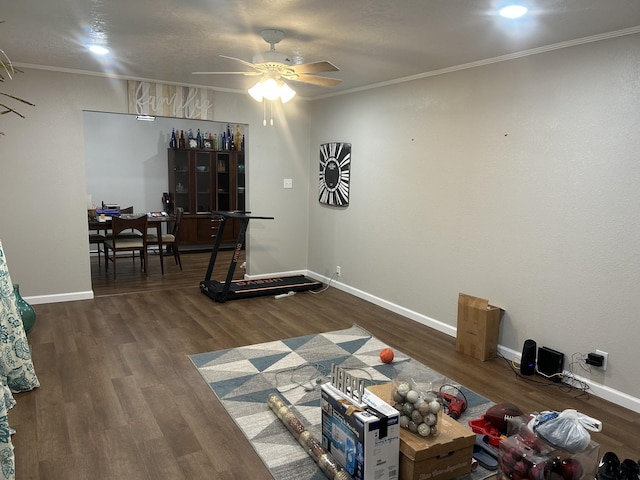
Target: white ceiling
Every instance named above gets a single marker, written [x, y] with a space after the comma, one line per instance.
[370, 41]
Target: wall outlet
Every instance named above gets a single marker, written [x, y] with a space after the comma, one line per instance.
[338, 270]
[605, 356]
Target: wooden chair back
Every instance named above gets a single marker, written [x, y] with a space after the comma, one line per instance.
[176, 224]
[122, 242]
[120, 224]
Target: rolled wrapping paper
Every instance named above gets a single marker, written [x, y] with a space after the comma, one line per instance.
[313, 447]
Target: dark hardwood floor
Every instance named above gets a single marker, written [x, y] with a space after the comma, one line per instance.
[119, 399]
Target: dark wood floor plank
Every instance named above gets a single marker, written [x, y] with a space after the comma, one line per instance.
[120, 398]
[71, 466]
[162, 463]
[136, 409]
[118, 455]
[165, 407]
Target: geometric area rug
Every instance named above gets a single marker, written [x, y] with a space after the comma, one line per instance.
[243, 378]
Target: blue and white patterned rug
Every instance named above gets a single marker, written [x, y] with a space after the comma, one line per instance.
[243, 378]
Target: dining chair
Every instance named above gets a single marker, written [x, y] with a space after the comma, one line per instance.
[97, 239]
[121, 240]
[130, 233]
[170, 240]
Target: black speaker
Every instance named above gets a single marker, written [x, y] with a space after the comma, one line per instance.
[528, 361]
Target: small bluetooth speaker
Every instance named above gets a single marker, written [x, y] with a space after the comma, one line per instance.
[528, 360]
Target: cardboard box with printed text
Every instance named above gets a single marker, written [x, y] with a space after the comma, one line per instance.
[362, 437]
[445, 456]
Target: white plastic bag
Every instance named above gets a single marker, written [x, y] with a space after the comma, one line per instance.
[568, 429]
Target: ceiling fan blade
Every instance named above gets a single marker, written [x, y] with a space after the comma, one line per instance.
[315, 80]
[315, 67]
[227, 73]
[248, 64]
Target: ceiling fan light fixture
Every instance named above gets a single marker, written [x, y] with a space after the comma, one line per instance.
[257, 91]
[271, 89]
[286, 93]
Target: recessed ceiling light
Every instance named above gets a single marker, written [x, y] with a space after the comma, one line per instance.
[98, 49]
[513, 11]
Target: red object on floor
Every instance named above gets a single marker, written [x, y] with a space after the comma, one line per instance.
[386, 355]
[480, 425]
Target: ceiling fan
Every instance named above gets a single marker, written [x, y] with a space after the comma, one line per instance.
[277, 66]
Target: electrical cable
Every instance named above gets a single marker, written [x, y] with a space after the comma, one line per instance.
[570, 380]
[526, 378]
[566, 384]
[315, 292]
[308, 382]
[460, 392]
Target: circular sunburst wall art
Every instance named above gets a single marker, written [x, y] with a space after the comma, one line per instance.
[335, 172]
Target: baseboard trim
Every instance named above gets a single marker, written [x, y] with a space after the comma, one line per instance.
[405, 312]
[607, 393]
[58, 298]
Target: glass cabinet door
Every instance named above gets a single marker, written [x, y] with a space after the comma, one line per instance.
[181, 185]
[223, 183]
[203, 182]
[241, 203]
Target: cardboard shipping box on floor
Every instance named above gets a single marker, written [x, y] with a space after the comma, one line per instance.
[445, 456]
[362, 437]
[478, 327]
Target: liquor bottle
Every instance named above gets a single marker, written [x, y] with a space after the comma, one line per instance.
[242, 145]
[182, 142]
[224, 141]
[232, 143]
[215, 141]
[238, 138]
[190, 134]
[199, 139]
[172, 142]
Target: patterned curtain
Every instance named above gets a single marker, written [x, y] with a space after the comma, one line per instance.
[16, 368]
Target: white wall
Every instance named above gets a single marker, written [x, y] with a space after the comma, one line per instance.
[43, 189]
[126, 159]
[516, 182]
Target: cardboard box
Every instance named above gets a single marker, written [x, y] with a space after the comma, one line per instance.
[445, 456]
[363, 439]
[478, 327]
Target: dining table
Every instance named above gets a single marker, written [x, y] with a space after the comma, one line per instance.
[157, 220]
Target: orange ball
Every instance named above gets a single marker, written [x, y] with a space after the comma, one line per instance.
[386, 355]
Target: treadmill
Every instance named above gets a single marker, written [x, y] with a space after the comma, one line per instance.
[232, 289]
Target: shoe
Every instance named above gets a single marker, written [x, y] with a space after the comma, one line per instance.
[609, 467]
[629, 470]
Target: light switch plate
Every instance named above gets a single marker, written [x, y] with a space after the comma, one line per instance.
[288, 183]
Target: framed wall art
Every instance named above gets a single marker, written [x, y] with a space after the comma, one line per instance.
[335, 173]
